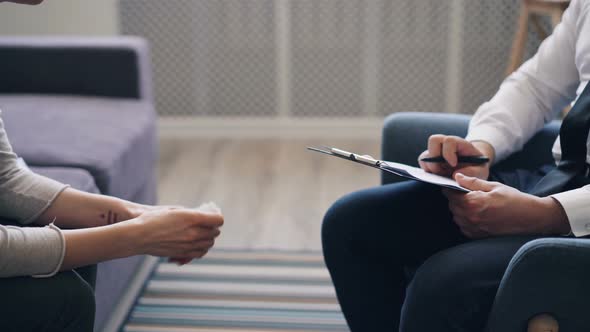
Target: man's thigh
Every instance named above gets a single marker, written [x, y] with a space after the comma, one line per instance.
[410, 220]
[455, 288]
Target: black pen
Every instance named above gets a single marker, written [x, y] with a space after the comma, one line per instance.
[477, 160]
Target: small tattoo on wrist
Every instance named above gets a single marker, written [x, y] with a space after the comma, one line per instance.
[111, 217]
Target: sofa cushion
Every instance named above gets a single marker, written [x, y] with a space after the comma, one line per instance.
[77, 178]
[113, 139]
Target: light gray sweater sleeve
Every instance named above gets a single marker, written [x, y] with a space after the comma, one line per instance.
[24, 196]
[25, 251]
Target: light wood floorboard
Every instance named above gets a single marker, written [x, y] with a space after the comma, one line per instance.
[273, 193]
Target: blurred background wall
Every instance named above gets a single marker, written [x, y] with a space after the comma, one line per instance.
[62, 17]
[224, 65]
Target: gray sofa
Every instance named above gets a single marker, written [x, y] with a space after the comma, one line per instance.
[546, 275]
[80, 111]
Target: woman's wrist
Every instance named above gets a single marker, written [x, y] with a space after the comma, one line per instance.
[77, 209]
[133, 232]
[97, 244]
[116, 210]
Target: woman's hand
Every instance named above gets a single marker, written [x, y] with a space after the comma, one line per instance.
[450, 148]
[135, 210]
[494, 209]
[175, 232]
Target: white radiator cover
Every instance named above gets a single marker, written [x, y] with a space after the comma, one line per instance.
[330, 59]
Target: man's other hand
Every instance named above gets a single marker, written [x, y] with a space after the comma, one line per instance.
[494, 209]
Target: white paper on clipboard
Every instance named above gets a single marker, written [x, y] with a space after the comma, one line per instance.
[406, 171]
[420, 174]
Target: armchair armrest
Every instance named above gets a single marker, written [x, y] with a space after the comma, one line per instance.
[405, 136]
[108, 67]
[545, 276]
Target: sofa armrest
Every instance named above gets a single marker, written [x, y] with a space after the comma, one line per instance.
[545, 276]
[107, 67]
[405, 136]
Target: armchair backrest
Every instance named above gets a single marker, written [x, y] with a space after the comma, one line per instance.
[405, 136]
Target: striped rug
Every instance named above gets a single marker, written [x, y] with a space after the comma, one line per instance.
[230, 291]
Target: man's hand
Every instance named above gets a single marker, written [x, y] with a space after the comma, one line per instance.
[494, 209]
[451, 147]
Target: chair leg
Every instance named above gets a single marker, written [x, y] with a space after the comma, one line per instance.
[538, 27]
[556, 16]
[520, 38]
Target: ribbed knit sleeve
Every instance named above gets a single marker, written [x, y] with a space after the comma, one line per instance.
[24, 195]
[31, 251]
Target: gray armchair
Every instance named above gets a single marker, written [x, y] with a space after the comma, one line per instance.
[545, 276]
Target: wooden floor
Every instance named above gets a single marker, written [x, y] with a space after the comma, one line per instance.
[273, 193]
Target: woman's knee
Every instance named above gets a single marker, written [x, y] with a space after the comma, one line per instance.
[79, 305]
[64, 302]
[83, 296]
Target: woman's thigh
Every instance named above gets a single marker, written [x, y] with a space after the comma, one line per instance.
[64, 302]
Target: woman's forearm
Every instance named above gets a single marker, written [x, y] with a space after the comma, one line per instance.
[166, 233]
[92, 245]
[78, 209]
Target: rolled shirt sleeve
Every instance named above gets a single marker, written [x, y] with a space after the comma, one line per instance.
[576, 207]
[533, 94]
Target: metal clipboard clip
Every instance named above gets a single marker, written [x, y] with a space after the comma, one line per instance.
[364, 159]
[356, 157]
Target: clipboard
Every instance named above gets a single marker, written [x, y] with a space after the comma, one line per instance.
[405, 171]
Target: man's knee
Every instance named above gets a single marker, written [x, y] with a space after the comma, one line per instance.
[450, 290]
[438, 280]
[371, 215]
[338, 218]
[345, 221]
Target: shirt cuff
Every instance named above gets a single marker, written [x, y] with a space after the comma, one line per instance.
[62, 254]
[492, 136]
[576, 205]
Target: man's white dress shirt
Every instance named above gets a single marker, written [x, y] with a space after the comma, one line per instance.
[533, 96]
